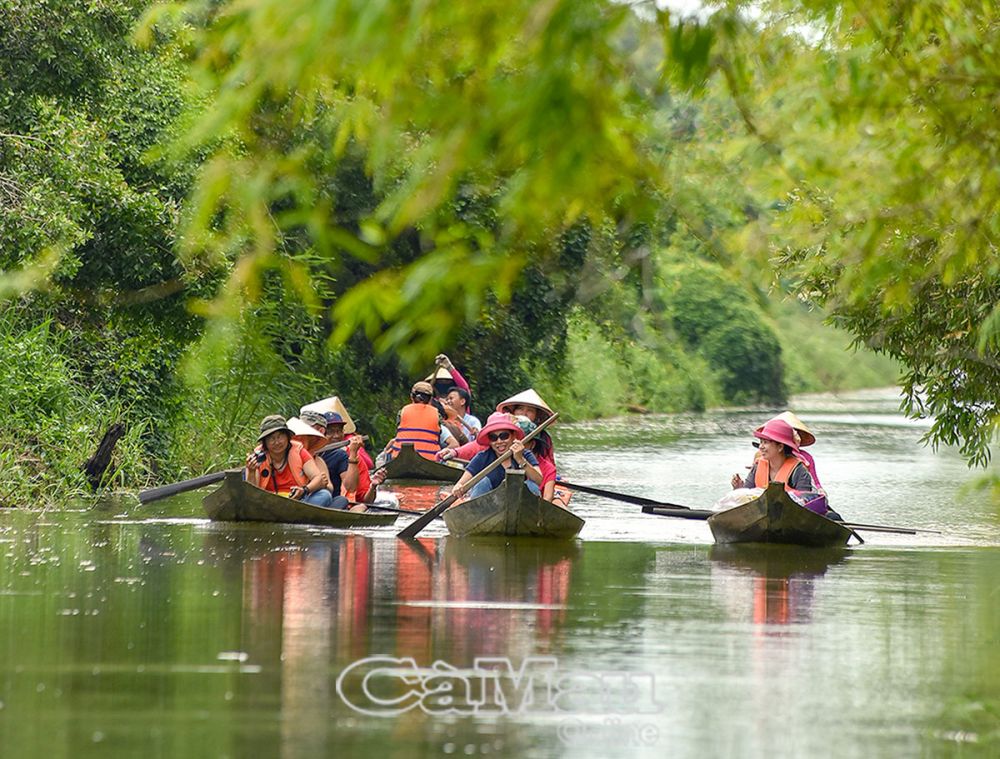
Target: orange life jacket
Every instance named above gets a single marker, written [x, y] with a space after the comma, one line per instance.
[419, 424]
[762, 475]
[294, 461]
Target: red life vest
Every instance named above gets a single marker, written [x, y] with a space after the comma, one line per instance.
[762, 478]
[419, 424]
[295, 464]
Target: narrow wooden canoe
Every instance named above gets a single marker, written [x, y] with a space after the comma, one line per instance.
[775, 518]
[511, 509]
[410, 465]
[238, 501]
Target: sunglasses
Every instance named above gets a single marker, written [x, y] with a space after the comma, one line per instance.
[421, 397]
[494, 436]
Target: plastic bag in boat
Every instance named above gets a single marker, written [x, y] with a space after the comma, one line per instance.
[737, 497]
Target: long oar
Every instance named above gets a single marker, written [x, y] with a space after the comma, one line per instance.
[393, 509]
[165, 491]
[417, 525]
[889, 528]
[663, 509]
[625, 497]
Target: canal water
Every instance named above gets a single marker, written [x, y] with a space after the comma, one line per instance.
[149, 631]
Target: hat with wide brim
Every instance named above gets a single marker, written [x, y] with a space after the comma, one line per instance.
[273, 423]
[806, 437]
[528, 398]
[422, 387]
[303, 429]
[779, 431]
[332, 404]
[439, 374]
[498, 422]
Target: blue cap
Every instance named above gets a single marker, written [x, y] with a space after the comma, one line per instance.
[332, 417]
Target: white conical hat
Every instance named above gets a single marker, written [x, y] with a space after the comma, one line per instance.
[528, 398]
[439, 374]
[302, 429]
[332, 404]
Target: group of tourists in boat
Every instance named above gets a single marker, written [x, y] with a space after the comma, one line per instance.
[315, 458]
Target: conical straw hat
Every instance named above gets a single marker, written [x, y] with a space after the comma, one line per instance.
[797, 424]
[528, 398]
[302, 429]
[439, 374]
[332, 404]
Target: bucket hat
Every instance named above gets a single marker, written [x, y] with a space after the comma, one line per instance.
[779, 431]
[273, 423]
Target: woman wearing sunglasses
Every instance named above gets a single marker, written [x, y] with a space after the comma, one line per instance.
[501, 434]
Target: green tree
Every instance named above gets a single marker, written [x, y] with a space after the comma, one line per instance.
[870, 147]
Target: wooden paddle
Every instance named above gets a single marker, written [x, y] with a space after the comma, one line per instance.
[418, 524]
[637, 500]
[165, 491]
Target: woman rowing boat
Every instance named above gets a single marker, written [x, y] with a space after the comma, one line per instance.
[500, 435]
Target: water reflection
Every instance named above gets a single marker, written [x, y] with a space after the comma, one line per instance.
[770, 585]
[312, 607]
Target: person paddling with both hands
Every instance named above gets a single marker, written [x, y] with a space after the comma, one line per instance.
[285, 467]
[501, 434]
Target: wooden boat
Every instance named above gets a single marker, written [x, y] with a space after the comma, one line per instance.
[238, 501]
[511, 509]
[410, 465]
[774, 517]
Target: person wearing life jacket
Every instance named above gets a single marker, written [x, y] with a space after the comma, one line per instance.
[778, 460]
[419, 423]
[805, 438]
[285, 467]
[341, 466]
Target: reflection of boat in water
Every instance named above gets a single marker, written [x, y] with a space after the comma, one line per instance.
[771, 584]
[778, 561]
[239, 501]
[410, 465]
[774, 517]
[511, 509]
[500, 554]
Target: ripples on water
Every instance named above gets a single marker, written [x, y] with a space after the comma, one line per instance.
[148, 630]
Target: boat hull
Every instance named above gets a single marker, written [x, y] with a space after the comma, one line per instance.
[410, 465]
[775, 518]
[238, 501]
[511, 510]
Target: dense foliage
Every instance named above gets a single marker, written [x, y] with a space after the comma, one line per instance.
[874, 128]
[229, 220]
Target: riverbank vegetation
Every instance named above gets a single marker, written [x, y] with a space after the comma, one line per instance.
[205, 217]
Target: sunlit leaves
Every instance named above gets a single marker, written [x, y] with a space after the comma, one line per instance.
[531, 104]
